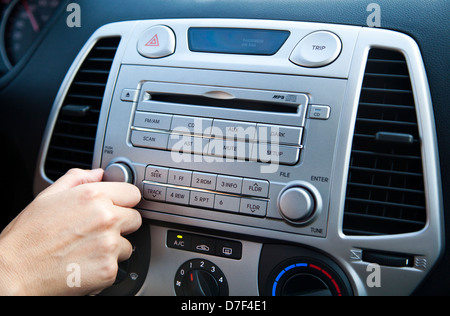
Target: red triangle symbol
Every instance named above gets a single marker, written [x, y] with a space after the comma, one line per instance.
[154, 41]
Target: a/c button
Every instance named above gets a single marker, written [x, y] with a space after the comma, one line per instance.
[178, 240]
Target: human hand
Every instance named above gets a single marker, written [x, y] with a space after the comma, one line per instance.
[77, 220]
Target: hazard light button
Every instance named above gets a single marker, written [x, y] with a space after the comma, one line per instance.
[156, 42]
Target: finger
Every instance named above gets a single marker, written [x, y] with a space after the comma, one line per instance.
[125, 250]
[73, 178]
[120, 194]
[130, 220]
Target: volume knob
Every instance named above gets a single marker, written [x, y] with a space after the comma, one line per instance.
[296, 204]
[118, 172]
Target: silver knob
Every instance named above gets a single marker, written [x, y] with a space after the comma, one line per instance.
[297, 204]
[118, 172]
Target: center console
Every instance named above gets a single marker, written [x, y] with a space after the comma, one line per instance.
[238, 134]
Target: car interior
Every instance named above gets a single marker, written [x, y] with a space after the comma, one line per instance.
[282, 148]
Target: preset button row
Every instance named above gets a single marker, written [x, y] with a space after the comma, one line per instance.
[208, 181]
[207, 200]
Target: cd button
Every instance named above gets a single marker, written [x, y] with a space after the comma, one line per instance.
[191, 125]
[319, 112]
[156, 42]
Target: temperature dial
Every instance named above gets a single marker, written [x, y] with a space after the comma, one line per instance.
[199, 277]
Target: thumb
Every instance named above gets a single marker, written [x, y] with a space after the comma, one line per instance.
[73, 178]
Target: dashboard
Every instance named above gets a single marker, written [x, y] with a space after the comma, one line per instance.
[281, 148]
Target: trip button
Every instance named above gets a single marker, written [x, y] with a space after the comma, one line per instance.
[156, 42]
[317, 49]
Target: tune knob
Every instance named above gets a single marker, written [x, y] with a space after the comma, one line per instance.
[296, 204]
[118, 172]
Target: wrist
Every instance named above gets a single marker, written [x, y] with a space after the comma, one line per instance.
[10, 284]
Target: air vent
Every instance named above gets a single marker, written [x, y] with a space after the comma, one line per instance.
[385, 190]
[73, 138]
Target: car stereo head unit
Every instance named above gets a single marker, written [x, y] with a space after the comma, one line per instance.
[241, 134]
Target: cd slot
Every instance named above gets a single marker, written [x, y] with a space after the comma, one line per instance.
[242, 104]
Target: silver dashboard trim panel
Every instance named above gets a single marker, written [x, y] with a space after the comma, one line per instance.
[349, 69]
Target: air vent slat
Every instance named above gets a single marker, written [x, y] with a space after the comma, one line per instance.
[73, 139]
[385, 191]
